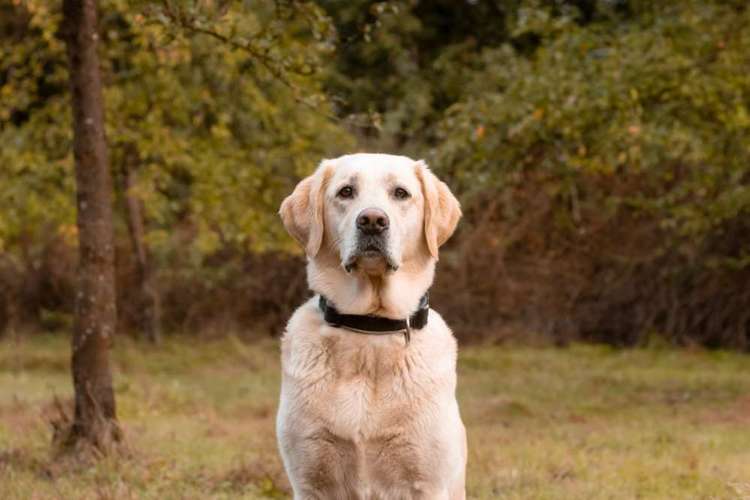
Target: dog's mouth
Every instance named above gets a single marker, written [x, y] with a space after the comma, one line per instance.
[371, 256]
[372, 251]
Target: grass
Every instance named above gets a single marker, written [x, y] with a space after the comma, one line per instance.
[585, 422]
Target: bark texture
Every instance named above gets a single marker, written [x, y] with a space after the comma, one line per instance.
[95, 419]
[148, 299]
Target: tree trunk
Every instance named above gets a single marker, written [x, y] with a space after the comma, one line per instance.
[95, 420]
[148, 300]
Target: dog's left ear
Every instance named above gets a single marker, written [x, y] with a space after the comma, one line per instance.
[302, 211]
[441, 209]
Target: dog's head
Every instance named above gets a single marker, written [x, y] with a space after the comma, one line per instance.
[374, 212]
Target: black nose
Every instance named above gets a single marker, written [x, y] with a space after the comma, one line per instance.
[372, 221]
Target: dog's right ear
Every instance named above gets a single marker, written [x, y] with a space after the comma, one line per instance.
[302, 211]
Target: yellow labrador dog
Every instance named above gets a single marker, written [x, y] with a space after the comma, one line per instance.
[368, 407]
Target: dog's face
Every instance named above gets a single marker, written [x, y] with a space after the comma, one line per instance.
[374, 212]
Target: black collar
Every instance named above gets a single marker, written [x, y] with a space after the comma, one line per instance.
[376, 325]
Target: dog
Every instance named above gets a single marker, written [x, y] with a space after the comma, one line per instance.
[367, 407]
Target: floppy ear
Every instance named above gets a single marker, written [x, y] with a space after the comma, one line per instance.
[441, 209]
[302, 211]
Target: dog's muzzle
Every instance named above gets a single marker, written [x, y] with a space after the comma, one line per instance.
[372, 239]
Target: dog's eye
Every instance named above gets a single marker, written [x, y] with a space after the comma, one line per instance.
[401, 193]
[346, 192]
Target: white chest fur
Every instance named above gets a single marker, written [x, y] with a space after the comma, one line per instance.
[370, 404]
[356, 381]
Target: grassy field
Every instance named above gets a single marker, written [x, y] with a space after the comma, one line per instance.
[578, 423]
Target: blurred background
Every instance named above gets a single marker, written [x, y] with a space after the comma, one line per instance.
[600, 149]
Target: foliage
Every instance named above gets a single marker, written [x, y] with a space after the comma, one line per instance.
[658, 101]
[35, 126]
[599, 148]
[400, 63]
[215, 128]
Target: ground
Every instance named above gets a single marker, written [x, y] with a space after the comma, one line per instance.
[584, 422]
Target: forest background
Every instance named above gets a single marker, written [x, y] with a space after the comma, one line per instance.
[600, 149]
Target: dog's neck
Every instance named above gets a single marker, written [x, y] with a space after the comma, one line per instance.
[394, 294]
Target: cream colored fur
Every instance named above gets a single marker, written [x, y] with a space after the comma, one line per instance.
[363, 416]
